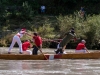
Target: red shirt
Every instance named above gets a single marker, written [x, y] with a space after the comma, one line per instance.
[80, 46]
[25, 45]
[37, 40]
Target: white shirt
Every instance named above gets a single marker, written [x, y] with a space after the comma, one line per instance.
[20, 34]
[58, 46]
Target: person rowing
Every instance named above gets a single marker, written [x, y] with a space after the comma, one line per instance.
[37, 39]
[81, 48]
[62, 45]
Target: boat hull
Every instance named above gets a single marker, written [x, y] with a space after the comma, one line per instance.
[50, 56]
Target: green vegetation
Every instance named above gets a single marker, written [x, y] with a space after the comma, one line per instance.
[59, 17]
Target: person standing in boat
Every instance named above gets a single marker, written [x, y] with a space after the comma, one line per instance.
[81, 48]
[66, 39]
[38, 43]
[25, 46]
[16, 38]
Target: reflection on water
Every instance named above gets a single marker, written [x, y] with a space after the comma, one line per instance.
[50, 67]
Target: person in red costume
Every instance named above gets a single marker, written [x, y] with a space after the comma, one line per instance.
[38, 43]
[81, 48]
[25, 46]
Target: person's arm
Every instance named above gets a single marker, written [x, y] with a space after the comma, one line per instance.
[28, 34]
[41, 46]
[58, 46]
[75, 37]
[75, 34]
[31, 45]
[86, 49]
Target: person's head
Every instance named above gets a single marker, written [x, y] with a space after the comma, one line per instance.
[83, 41]
[35, 33]
[82, 8]
[72, 30]
[23, 29]
[27, 40]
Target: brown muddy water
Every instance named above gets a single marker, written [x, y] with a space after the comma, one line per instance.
[49, 67]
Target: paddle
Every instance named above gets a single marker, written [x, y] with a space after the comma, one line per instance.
[87, 50]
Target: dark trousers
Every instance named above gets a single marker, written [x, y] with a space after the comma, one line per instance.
[59, 51]
[35, 50]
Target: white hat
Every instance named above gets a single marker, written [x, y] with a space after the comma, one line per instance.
[83, 41]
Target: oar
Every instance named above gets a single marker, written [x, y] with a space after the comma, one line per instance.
[42, 52]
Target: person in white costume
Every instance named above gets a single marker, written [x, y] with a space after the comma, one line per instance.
[16, 38]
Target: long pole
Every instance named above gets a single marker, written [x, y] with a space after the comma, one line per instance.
[42, 53]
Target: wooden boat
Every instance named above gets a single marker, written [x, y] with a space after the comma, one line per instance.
[92, 55]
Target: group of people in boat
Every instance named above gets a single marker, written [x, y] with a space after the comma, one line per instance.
[26, 45]
[81, 48]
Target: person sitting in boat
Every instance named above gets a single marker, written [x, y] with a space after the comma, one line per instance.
[16, 38]
[81, 48]
[66, 39]
[25, 46]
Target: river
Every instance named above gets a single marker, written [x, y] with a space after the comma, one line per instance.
[49, 67]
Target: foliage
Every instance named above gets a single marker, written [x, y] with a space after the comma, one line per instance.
[88, 29]
[46, 31]
[93, 29]
[27, 12]
[53, 7]
[6, 40]
[65, 23]
[16, 14]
